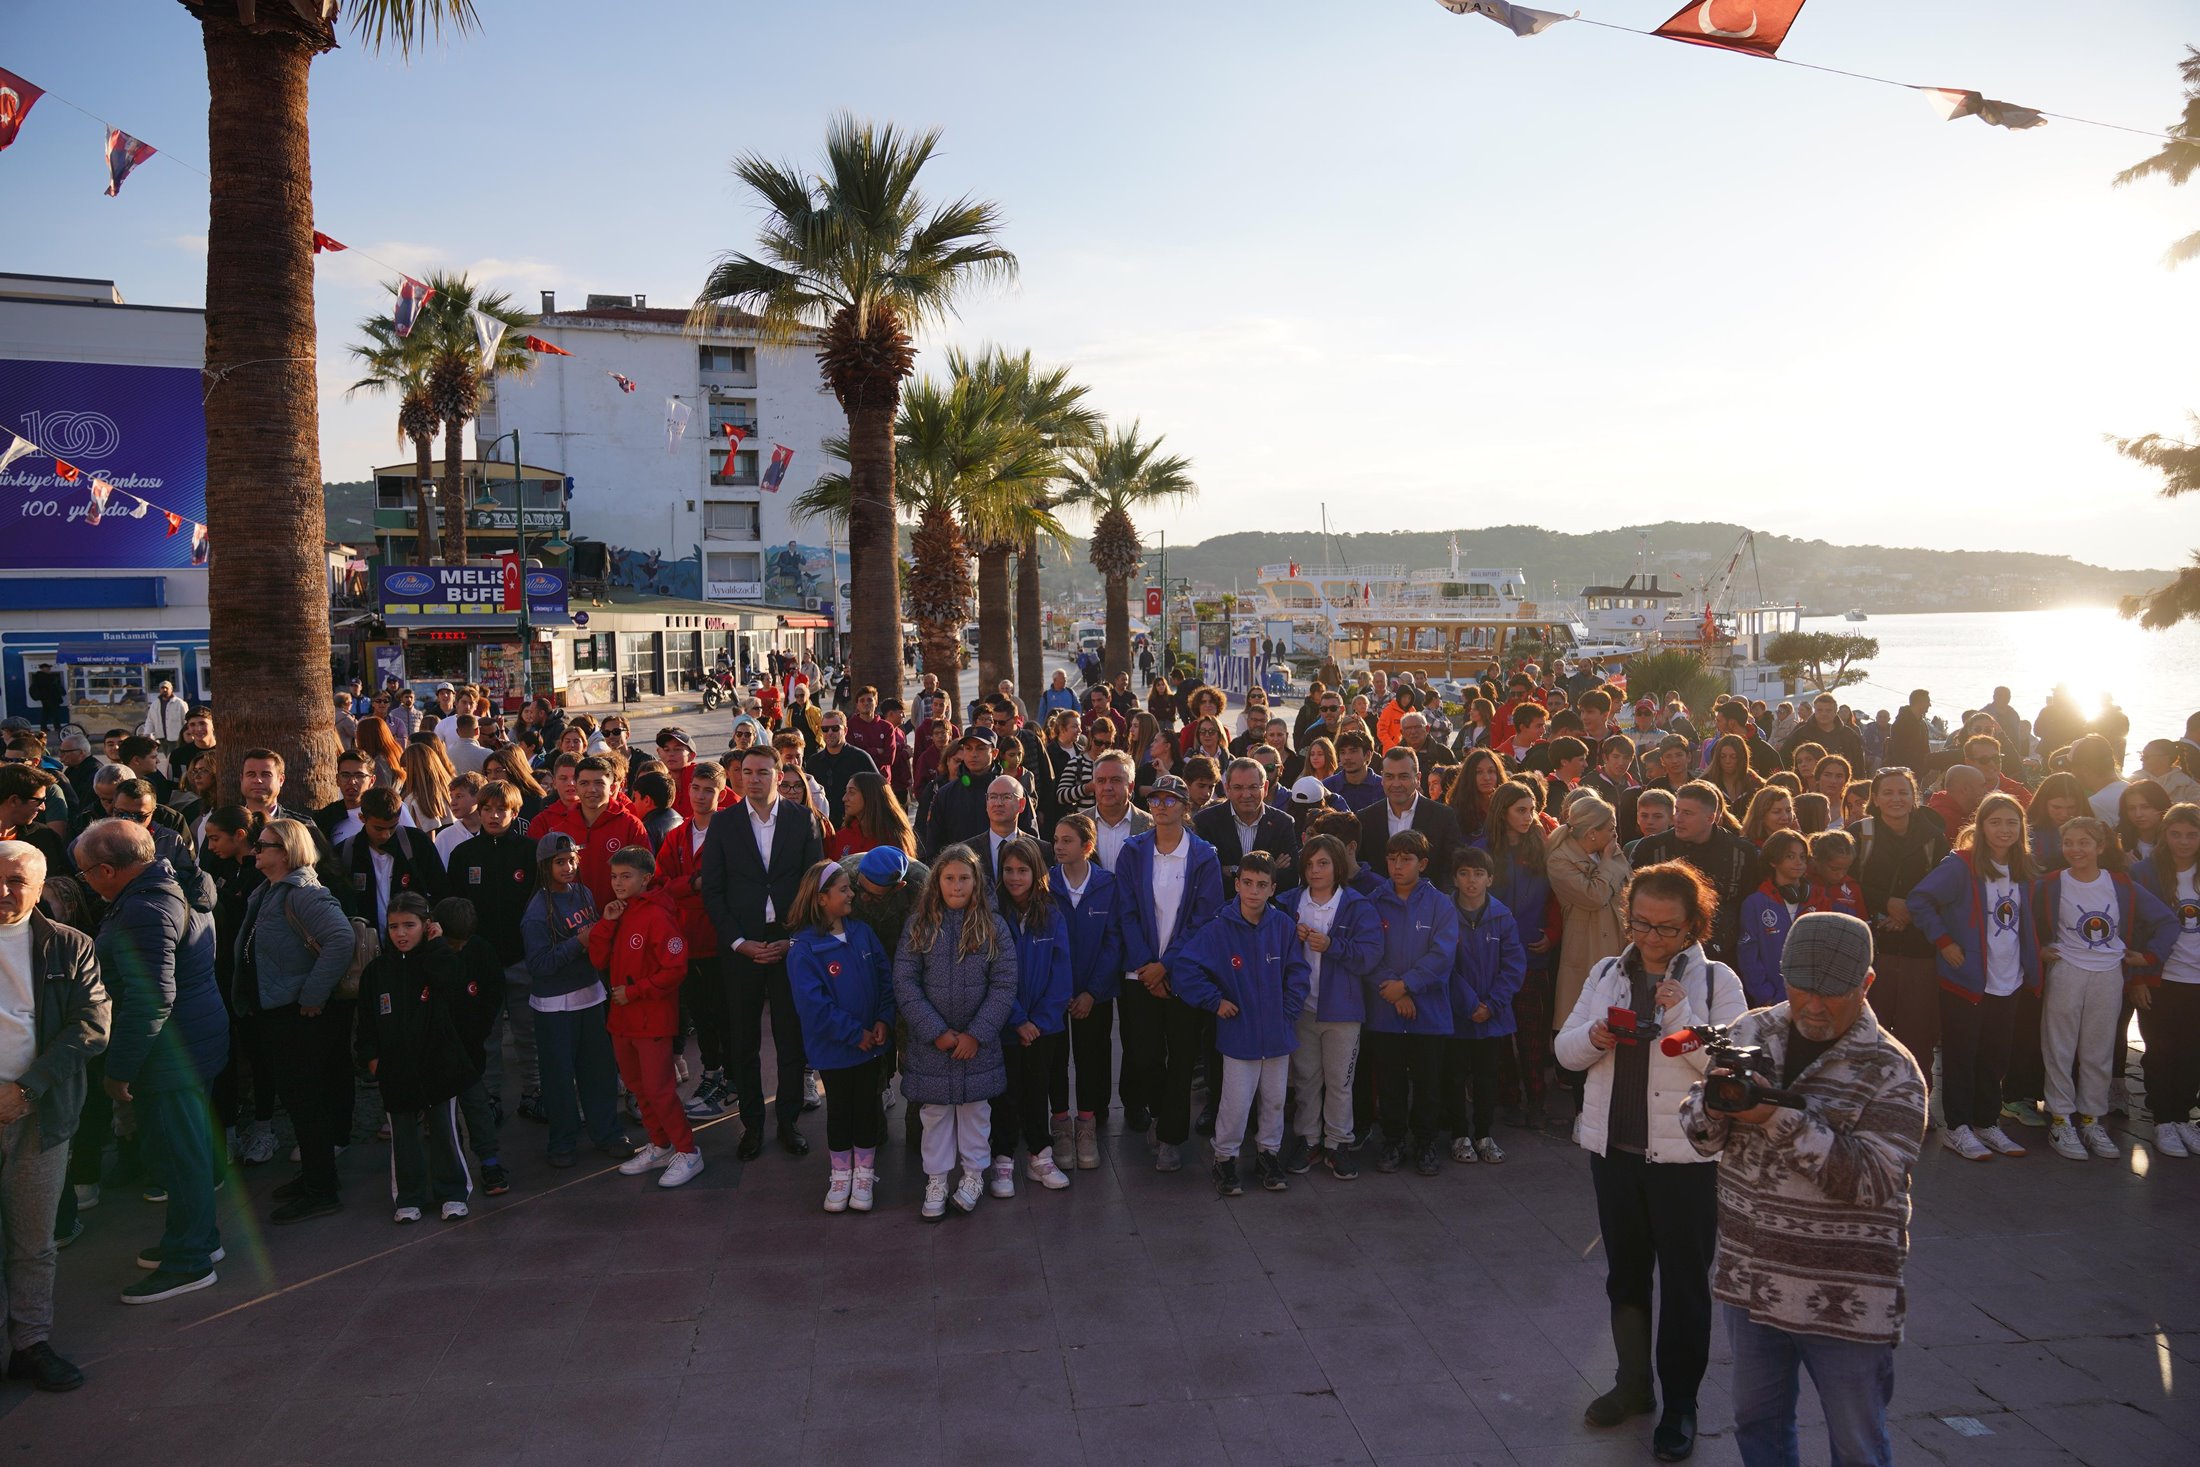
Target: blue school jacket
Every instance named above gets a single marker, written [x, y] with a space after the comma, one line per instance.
[1134, 879]
[1949, 905]
[2147, 925]
[1764, 935]
[1366, 880]
[1262, 969]
[1095, 934]
[842, 986]
[1043, 976]
[1526, 893]
[1488, 969]
[1355, 947]
[1420, 939]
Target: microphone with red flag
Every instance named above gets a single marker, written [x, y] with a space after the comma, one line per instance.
[1753, 27]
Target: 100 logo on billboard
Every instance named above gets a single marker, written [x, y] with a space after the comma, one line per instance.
[72, 433]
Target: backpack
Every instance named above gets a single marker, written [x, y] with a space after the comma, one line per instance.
[366, 946]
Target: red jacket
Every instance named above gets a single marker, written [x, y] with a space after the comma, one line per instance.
[644, 953]
[613, 829]
[1847, 897]
[679, 866]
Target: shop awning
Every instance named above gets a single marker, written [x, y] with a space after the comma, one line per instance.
[109, 654]
[796, 621]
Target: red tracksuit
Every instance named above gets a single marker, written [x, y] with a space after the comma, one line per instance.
[644, 954]
[613, 829]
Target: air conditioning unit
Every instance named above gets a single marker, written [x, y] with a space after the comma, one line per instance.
[813, 603]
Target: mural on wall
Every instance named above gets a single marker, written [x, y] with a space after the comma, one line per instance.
[648, 572]
[795, 574]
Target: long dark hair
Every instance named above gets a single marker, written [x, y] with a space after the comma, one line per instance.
[882, 820]
[1466, 797]
[1526, 849]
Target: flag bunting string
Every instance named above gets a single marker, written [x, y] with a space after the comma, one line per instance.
[105, 498]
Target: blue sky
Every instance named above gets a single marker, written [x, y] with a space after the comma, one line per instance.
[1369, 254]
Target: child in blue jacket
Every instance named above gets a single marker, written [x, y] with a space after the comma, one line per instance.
[1163, 1037]
[1409, 1012]
[1343, 941]
[1768, 913]
[1247, 968]
[1092, 909]
[1037, 1033]
[1485, 974]
[1975, 908]
[843, 985]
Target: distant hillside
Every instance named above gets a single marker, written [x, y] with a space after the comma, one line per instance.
[1824, 577]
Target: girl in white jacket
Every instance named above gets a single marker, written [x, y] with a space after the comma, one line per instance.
[1657, 1199]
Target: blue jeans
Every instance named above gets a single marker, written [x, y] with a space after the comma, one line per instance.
[177, 1142]
[579, 1078]
[1855, 1382]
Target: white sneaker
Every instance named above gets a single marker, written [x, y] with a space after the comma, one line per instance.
[1041, 1169]
[1489, 1150]
[2169, 1139]
[935, 1199]
[1462, 1150]
[1004, 1176]
[259, 1147]
[836, 1192]
[2063, 1137]
[648, 1159]
[1960, 1140]
[452, 1211]
[861, 1188]
[2191, 1133]
[969, 1187]
[87, 1196]
[2098, 1141]
[2000, 1140]
[406, 1215]
[682, 1168]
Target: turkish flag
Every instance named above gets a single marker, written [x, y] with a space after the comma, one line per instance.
[1153, 601]
[511, 578]
[1755, 27]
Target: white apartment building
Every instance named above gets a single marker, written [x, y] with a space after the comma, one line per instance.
[681, 520]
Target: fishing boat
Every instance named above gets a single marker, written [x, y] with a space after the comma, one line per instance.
[1631, 612]
[1854, 613]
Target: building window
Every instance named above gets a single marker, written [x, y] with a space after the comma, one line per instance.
[731, 521]
[638, 652]
[739, 412]
[592, 654]
[680, 661]
[724, 360]
[742, 470]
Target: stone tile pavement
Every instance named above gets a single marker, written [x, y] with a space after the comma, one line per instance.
[591, 1318]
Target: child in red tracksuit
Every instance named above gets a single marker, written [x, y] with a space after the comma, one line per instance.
[639, 949]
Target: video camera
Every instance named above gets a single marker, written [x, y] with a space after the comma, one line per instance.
[1740, 1089]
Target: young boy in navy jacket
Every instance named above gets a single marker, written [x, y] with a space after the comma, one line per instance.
[1409, 1012]
[1247, 967]
[1486, 972]
[1171, 882]
[1092, 910]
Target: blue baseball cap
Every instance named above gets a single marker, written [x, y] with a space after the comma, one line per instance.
[883, 866]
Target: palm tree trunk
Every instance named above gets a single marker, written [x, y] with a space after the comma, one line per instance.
[941, 646]
[874, 566]
[454, 491]
[423, 476]
[1118, 625]
[1031, 677]
[268, 581]
[993, 631]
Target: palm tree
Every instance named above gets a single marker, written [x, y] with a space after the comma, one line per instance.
[393, 364]
[454, 375]
[1111, 478]
[264, 508]
[854, 260]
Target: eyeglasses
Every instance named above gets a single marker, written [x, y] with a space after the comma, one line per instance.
[267, 845]
[1666, 930]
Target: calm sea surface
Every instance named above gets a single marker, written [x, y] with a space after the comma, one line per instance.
[1963, 656]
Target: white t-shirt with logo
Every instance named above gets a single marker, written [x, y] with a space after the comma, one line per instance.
[2087, 934]
[2004, 937]
[2183, 963]
[1317, 916]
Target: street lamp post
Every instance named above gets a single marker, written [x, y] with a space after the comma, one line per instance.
[519, 532]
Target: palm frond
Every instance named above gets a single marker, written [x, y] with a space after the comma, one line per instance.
[410, 24]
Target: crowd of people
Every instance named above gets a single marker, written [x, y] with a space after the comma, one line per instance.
[1372, 930]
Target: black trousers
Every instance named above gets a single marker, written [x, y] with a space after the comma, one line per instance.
[1662, 1219]
[749, 987]
[1140, 1014]
[1409, 1077]
[248, 1051]
[853, 1119]
[1470, 1072]
[1163, 1040]
[704, 993]
[2171, 1026]
[1974, 1056]
[1092, 1048]
[306, 1049]
[1022, 1107]
[2027, 1076]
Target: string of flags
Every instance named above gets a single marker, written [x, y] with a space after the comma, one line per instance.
[104, 496]
[1759, 28]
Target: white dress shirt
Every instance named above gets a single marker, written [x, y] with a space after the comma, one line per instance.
[764, 827]
[1109, 838]
[1318, 916]
[1401, 822]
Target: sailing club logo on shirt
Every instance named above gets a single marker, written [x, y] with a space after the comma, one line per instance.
[2005, 914]
[675, 946]
[2096, 928]
[1770, 918]
[2188, 916]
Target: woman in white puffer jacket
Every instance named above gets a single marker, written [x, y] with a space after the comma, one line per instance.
[1657, 1199]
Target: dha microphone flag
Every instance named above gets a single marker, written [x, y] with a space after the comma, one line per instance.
[626, 383]
[17, 97]
[536, 343]
[323, 242]
[1753, 27]
[776, 473]
[123, 154]
[412, 299]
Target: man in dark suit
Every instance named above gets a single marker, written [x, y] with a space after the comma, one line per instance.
[1403, 808]
[754, 859]
[1243, 820]
[1007, 816]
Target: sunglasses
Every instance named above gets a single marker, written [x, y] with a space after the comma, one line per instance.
[267, 845]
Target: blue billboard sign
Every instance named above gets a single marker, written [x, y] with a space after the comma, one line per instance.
[466, 590]
[142, 429]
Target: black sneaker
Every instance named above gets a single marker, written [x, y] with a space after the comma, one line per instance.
[1269, 1168]
[530, 1109]
[1205, 1125]
[45, 1370]
[495, 1181]
[1137, 1120]
[295, 1187]
[161, 1284]
[76, 1231]
[1426, 1163]
[303, 1208]
[1390, 1158]
[149, 1258]
[562, 1159]
[1299, 1156]
[1226, 1177]
[1343, 1165]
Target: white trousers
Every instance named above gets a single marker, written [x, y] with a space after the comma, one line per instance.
[1321, 1071]
[2078, 1014]
[1242, 1081]
[957, 1134]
